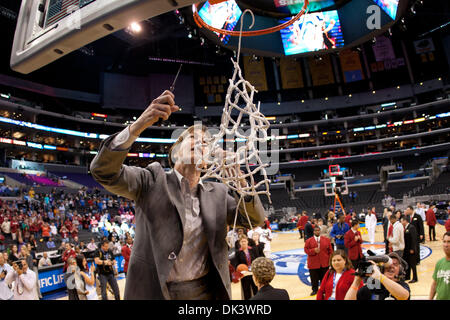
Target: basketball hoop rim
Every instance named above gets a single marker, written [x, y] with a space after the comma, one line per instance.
[202, 24]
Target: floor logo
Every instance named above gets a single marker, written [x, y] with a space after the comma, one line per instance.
[293, 262]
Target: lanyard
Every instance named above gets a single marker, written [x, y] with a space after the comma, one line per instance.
[334, 280]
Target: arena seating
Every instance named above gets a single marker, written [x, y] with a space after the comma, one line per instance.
[83, 179]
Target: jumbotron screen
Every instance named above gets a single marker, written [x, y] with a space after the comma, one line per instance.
[223, 15]
[312, 32]
[389, 6]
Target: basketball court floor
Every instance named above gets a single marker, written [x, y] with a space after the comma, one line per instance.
[292, 275]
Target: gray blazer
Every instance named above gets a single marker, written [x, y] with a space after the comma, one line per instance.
[160, 219]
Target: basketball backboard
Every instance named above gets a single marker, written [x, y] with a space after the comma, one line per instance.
[49, 29]
[330, 188]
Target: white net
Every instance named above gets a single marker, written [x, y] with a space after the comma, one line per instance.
[225, 165]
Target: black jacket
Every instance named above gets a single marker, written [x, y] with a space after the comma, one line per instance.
[240, 256]
[309, 230]
[410, 242]
[270, 293]
[417, 222]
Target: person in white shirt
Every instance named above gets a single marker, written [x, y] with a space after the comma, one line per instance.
[53, 229]
[6, 227]
[92, 246]
[5, 291]
[24, 281]
[115, 246]
[266, 238]
[396, 235]
[45, 261]
[255, 229]
[421, 211]
[371, 223]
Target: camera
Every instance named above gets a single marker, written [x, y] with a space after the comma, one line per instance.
[364, 267]
[19, 264]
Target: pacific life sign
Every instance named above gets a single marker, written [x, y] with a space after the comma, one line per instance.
[51, 280]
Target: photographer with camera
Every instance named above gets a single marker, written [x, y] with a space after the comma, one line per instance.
[5, 291]
[24, 281]
[387, 284]
[104, 259]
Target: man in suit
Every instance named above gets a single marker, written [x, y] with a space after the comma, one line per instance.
[409, 253]
[309, 229]
[416, 220]
[353, 241]
[386, 223]
[318, 249]
[179, 250]
[263, 271]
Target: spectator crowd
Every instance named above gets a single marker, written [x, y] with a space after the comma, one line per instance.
[41, 230]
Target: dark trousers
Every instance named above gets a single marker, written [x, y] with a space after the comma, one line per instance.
[248, 287]
[302, 232]
[198, 289]
[431, 229]
[411, 260]
[316, 276]
[386, 247]
[104, 279]
[341, 247]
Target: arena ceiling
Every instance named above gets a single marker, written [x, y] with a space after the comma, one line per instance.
[169, 36]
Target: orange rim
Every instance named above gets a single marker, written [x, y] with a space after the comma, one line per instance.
[202, 24]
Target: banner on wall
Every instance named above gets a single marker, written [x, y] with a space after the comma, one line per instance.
[424, 46]
[255, 73]
[383, 49]
[351, 65]
[321, 71]
[291, 73]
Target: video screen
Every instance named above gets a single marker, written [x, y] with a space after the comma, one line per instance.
[312, 32]
[223, 15]
[389, 6]
[295, 6]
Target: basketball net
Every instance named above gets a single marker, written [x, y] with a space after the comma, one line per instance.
[225, 166]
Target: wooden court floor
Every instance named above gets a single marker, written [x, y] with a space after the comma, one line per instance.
[300, 291]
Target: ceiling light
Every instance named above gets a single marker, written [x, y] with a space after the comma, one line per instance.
[135, 27]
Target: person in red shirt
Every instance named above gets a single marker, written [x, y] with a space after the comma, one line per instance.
[348, 219]
[64, 232]
[14, 227]
[68, 224]
[318, 248]
[301, 224]
[431, 221]
[267, 222]
[447, 225]
[45, 231]
[68, 254]
[34, 228]
[353, 241]
[338, 279]
[74, 232]
[126, 253]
